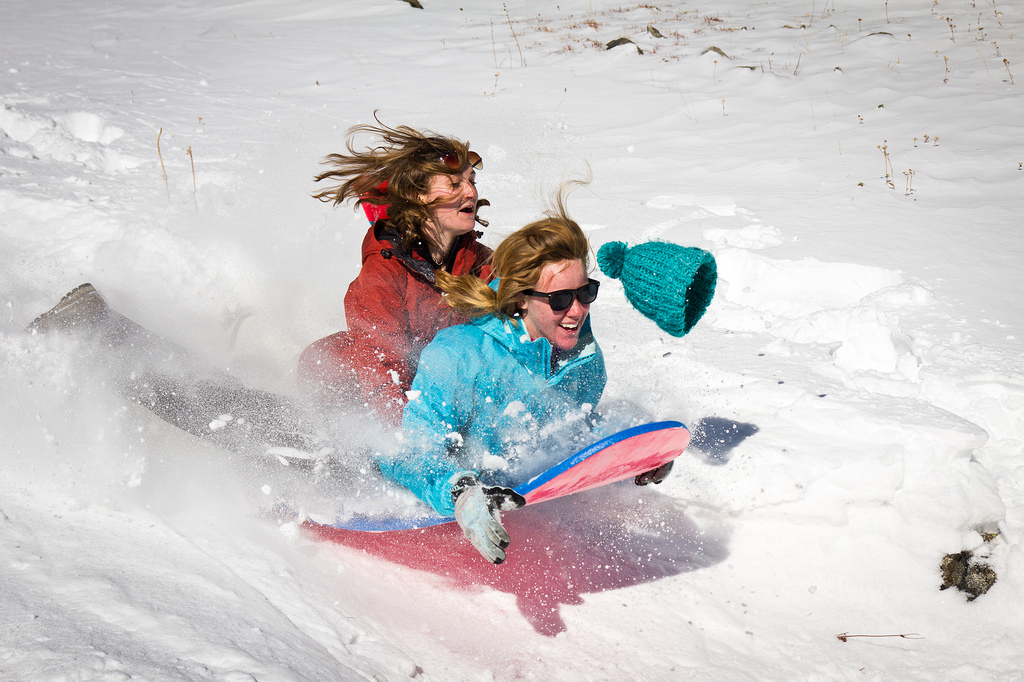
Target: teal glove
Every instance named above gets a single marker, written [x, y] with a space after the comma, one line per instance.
[477, 510]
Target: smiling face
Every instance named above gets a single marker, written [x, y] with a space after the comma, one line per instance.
[454, 214]
[561, 328]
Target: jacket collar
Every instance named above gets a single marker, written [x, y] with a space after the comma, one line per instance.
[416, 258]
[511, 334]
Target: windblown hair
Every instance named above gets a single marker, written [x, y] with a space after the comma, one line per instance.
[518, 262]
[404, 162]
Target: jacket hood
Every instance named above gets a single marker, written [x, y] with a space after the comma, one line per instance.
[386, 241]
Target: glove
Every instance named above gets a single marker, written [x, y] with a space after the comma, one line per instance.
[654, 476]
[477, 510]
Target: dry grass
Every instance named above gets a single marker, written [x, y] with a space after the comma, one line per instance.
[572, 33]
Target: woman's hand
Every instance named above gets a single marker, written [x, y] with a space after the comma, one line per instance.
[477, 510]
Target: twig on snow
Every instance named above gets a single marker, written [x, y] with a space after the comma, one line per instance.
[909, 635]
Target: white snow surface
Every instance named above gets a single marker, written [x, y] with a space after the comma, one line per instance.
[855, 387]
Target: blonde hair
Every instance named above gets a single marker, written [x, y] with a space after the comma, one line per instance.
[405, 161]
[518, 262]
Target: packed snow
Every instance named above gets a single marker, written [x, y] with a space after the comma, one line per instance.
[854, 390]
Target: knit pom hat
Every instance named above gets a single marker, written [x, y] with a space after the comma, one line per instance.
[670, 284]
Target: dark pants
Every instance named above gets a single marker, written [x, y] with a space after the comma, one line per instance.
[178, 387]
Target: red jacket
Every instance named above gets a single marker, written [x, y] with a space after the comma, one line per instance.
[393, 309]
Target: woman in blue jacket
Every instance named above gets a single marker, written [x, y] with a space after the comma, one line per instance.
[487, 393]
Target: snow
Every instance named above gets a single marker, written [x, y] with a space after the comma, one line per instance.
[854, 388]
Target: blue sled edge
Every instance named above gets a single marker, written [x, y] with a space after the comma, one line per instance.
[568, 463]
[380, 524]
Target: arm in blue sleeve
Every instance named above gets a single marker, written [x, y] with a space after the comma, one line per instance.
[431, 425]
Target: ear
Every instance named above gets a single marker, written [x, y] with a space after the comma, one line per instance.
[520, 304]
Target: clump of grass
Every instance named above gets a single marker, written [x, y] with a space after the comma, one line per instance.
[494, 48]
[163, 170]
[191, 160]
[514, 36]
[889, 174]
[688, 104]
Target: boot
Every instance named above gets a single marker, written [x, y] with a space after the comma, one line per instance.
[80, 308]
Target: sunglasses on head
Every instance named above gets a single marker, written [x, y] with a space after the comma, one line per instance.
[451, 161]
[562, 299]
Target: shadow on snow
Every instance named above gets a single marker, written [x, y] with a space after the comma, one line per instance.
[717, 437]
[599, 540]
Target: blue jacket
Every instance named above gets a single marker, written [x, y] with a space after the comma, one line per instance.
[486, 401]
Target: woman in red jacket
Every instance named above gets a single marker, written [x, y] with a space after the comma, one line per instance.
[419, 191]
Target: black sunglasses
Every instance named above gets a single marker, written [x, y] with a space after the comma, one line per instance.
[562, 299]
[451, 161]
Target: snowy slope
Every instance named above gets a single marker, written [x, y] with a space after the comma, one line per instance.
[855, 386]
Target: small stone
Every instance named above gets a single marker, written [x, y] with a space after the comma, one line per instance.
[954, 568]
[623, 41]
[979, 578]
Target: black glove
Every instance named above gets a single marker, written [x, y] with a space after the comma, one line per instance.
[477, 510]
[654, 476]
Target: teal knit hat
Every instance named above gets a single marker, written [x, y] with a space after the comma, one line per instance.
[670, 284]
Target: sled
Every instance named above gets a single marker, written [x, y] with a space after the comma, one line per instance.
[614, 458]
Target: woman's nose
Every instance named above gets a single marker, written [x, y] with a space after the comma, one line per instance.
[578, 309]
